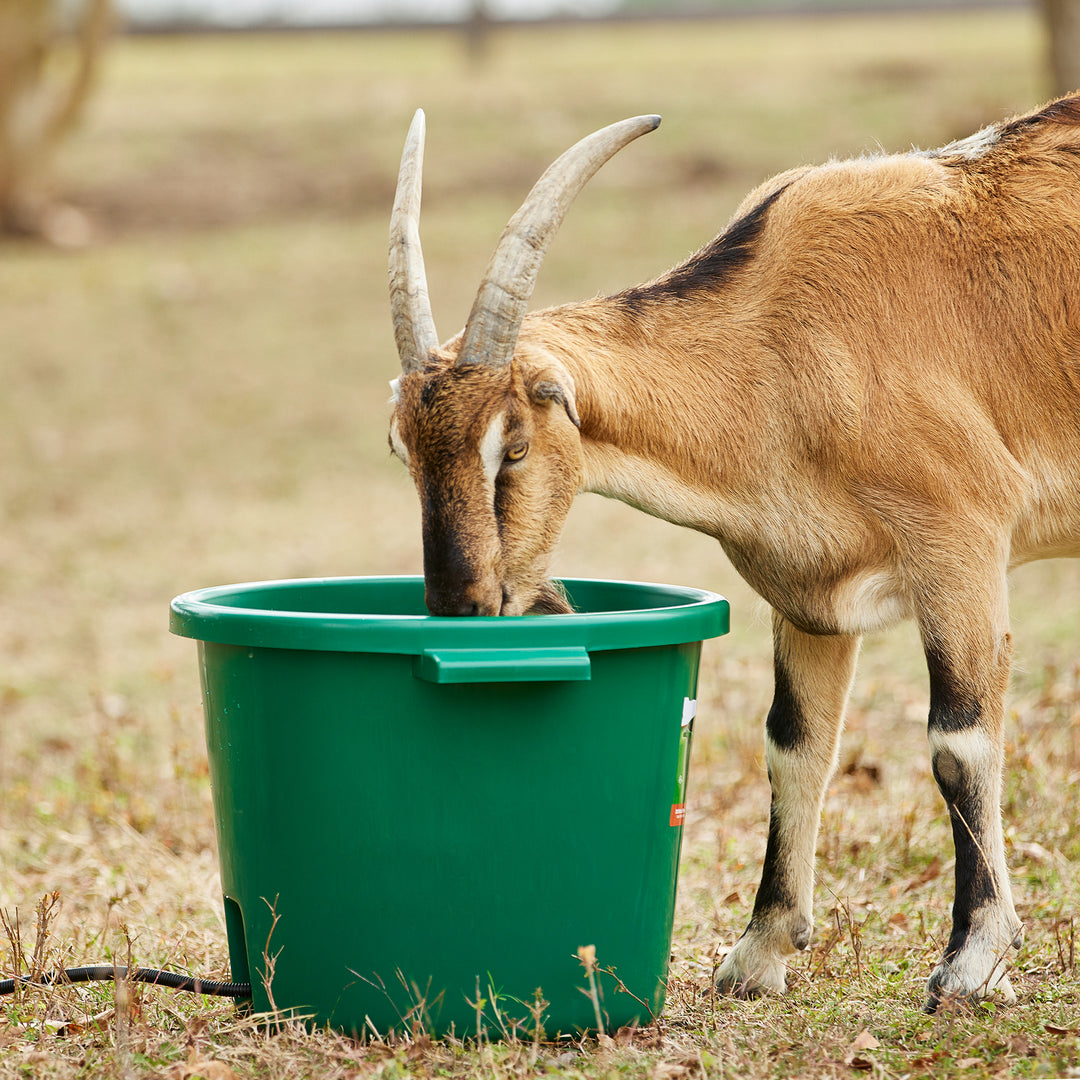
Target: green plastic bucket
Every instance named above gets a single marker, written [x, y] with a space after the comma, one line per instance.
[422, 820]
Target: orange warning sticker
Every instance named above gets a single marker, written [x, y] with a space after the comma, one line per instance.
[678, 814]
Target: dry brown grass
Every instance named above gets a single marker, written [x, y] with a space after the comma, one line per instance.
[199, 397]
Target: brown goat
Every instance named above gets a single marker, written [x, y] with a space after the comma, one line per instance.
[867, 388]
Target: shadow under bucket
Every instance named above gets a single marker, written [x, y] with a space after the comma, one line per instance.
[422, 820]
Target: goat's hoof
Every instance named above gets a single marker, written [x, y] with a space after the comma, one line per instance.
[948, 988]
[745, 975]
[974, 970]
[943, 1000]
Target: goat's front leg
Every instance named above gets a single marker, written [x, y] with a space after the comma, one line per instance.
[968, 657]
[802, 737]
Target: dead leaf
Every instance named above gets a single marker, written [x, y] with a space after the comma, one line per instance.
[646, 1038]
[899, 921]
[969, 1063]
[863, 1041]
[1053, 1029]
[102, 1022]
[932, 872]
[863, 777]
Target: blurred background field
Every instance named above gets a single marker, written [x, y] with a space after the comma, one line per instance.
[195, 393]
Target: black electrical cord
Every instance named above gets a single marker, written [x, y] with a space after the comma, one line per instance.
[107, 973]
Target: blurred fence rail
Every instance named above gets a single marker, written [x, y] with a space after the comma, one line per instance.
[154, 17]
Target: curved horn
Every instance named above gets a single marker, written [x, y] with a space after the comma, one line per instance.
[414, 325]
[492, 330]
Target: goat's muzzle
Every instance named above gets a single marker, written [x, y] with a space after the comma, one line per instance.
[463, 599]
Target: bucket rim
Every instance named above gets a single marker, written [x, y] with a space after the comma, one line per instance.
[242, 614]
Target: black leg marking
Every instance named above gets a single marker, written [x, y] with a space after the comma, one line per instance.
[775, 890]
[955, 715]
[786, 728]
[975, 885]
[785, 724]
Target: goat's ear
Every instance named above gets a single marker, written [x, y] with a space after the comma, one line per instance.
[561, 393]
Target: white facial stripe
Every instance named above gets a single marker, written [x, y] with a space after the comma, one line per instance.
[395, 390]
[492, 448]
[396, 442]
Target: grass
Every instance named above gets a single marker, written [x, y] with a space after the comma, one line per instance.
[199, 397]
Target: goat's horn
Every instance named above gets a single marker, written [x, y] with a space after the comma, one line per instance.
[414, 325]
[492, 330]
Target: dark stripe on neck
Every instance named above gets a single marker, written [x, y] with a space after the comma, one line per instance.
[712, 266]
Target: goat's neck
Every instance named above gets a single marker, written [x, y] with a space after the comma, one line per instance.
[656, 429]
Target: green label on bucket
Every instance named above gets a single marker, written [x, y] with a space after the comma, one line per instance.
[678, 801]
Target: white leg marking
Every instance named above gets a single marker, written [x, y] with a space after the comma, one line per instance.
[973, 749]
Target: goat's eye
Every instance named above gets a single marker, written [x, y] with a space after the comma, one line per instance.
[517, 451]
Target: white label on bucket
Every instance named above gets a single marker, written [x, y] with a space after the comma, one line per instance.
[678, 800]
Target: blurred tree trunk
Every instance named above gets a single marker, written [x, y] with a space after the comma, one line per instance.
[38, 104]
[1061, 19]
[477, 33]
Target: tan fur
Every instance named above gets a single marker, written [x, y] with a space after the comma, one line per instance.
[876, 412]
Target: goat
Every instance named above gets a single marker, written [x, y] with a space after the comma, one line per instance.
[866, 388]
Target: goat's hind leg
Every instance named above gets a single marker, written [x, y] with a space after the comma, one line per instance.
[968, 658]
[802, 736]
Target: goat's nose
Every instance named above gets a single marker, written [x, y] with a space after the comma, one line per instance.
[470, 599]
[456, 607]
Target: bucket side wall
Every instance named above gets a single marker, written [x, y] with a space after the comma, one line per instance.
[413, 838]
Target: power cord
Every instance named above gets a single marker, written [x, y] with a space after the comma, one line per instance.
[109, 973]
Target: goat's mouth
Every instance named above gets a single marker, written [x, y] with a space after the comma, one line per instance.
[551, 600]
[546, 598]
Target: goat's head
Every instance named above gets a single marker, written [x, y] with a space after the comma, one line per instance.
[487, 425]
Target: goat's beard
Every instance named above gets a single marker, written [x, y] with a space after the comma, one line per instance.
[551, 600]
